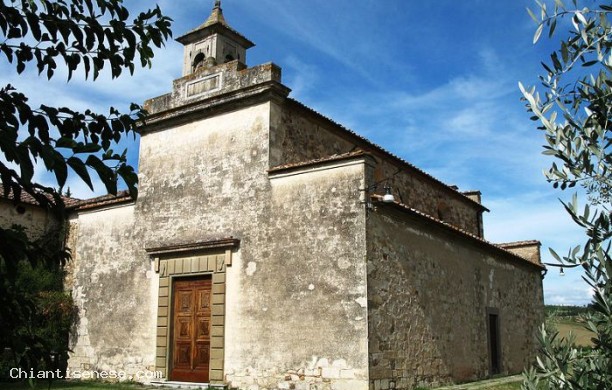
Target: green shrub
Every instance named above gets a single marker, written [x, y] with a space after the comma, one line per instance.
[38, 316]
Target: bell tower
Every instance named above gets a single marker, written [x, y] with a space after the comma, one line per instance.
[213, 43]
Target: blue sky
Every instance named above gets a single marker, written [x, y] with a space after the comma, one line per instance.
[434, 82]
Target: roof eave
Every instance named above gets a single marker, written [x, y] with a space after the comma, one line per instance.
[218, 28]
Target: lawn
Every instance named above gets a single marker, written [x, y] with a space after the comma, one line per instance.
[131, 386]
[80, 385]
[566, 325]
[507, 386]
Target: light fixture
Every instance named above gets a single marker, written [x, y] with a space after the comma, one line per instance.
[388, 197]
[561, 266]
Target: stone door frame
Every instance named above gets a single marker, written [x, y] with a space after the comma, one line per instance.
[192, 260]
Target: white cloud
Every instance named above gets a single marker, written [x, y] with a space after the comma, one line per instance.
[566, 290]
[303, 77]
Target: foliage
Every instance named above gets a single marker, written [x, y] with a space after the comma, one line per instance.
[575, 112]
[36, 313]
[84, 37]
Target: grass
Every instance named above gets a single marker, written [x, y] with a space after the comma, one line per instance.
[80, 385]
[507, 386]
[76, 385]
[567, 325]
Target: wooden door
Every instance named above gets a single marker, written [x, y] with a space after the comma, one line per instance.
[191, 329]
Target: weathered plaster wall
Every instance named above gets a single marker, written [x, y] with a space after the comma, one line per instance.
[205, 180]
[34, 220]
[295, 301]
[232, 77]
[300, 136]
[428, 294]
[311, 282]
[116, 292]
[295, 310]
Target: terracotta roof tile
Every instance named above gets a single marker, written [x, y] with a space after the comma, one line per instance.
[29, 199]
[104, 200]
[301, 164]
[518, 243]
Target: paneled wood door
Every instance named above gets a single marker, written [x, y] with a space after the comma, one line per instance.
[191, 329]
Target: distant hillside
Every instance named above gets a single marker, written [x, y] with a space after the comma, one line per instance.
[565, 311]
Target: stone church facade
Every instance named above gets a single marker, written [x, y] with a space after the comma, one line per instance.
[261, 252]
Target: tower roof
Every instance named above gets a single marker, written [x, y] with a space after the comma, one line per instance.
[216, 16]
[215, 23]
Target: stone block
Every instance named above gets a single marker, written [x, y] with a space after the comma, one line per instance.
[323, 362]
[330, 373]
[347, 374]
[312, 372]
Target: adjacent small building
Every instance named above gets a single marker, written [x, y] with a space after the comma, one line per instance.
[272, 248]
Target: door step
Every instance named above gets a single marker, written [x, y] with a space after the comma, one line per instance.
[187, 385]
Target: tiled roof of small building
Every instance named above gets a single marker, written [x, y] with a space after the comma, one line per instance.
[104, 200]
[77, 204]
[26, 198]
[519, 243]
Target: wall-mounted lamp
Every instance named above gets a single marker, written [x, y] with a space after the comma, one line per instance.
[561, 266]
[388, 197]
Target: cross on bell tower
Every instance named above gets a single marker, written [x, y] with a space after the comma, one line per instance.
[213, 43]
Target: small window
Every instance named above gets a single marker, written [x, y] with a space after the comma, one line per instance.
[198, 61]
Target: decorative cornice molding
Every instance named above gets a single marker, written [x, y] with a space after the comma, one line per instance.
[224, 243]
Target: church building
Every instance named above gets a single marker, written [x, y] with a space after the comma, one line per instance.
[272, 248]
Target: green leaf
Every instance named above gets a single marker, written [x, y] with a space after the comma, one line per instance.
[25, 163]
[551, 30]
[555, 255]
[106, 174]
[60, 169]
[78, 166]
[556, 63]
[532, 15]
[538, 33]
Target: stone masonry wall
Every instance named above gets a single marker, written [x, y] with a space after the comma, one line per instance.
[428, 295]
[300, 136]
[115, 288]
[530, 250]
